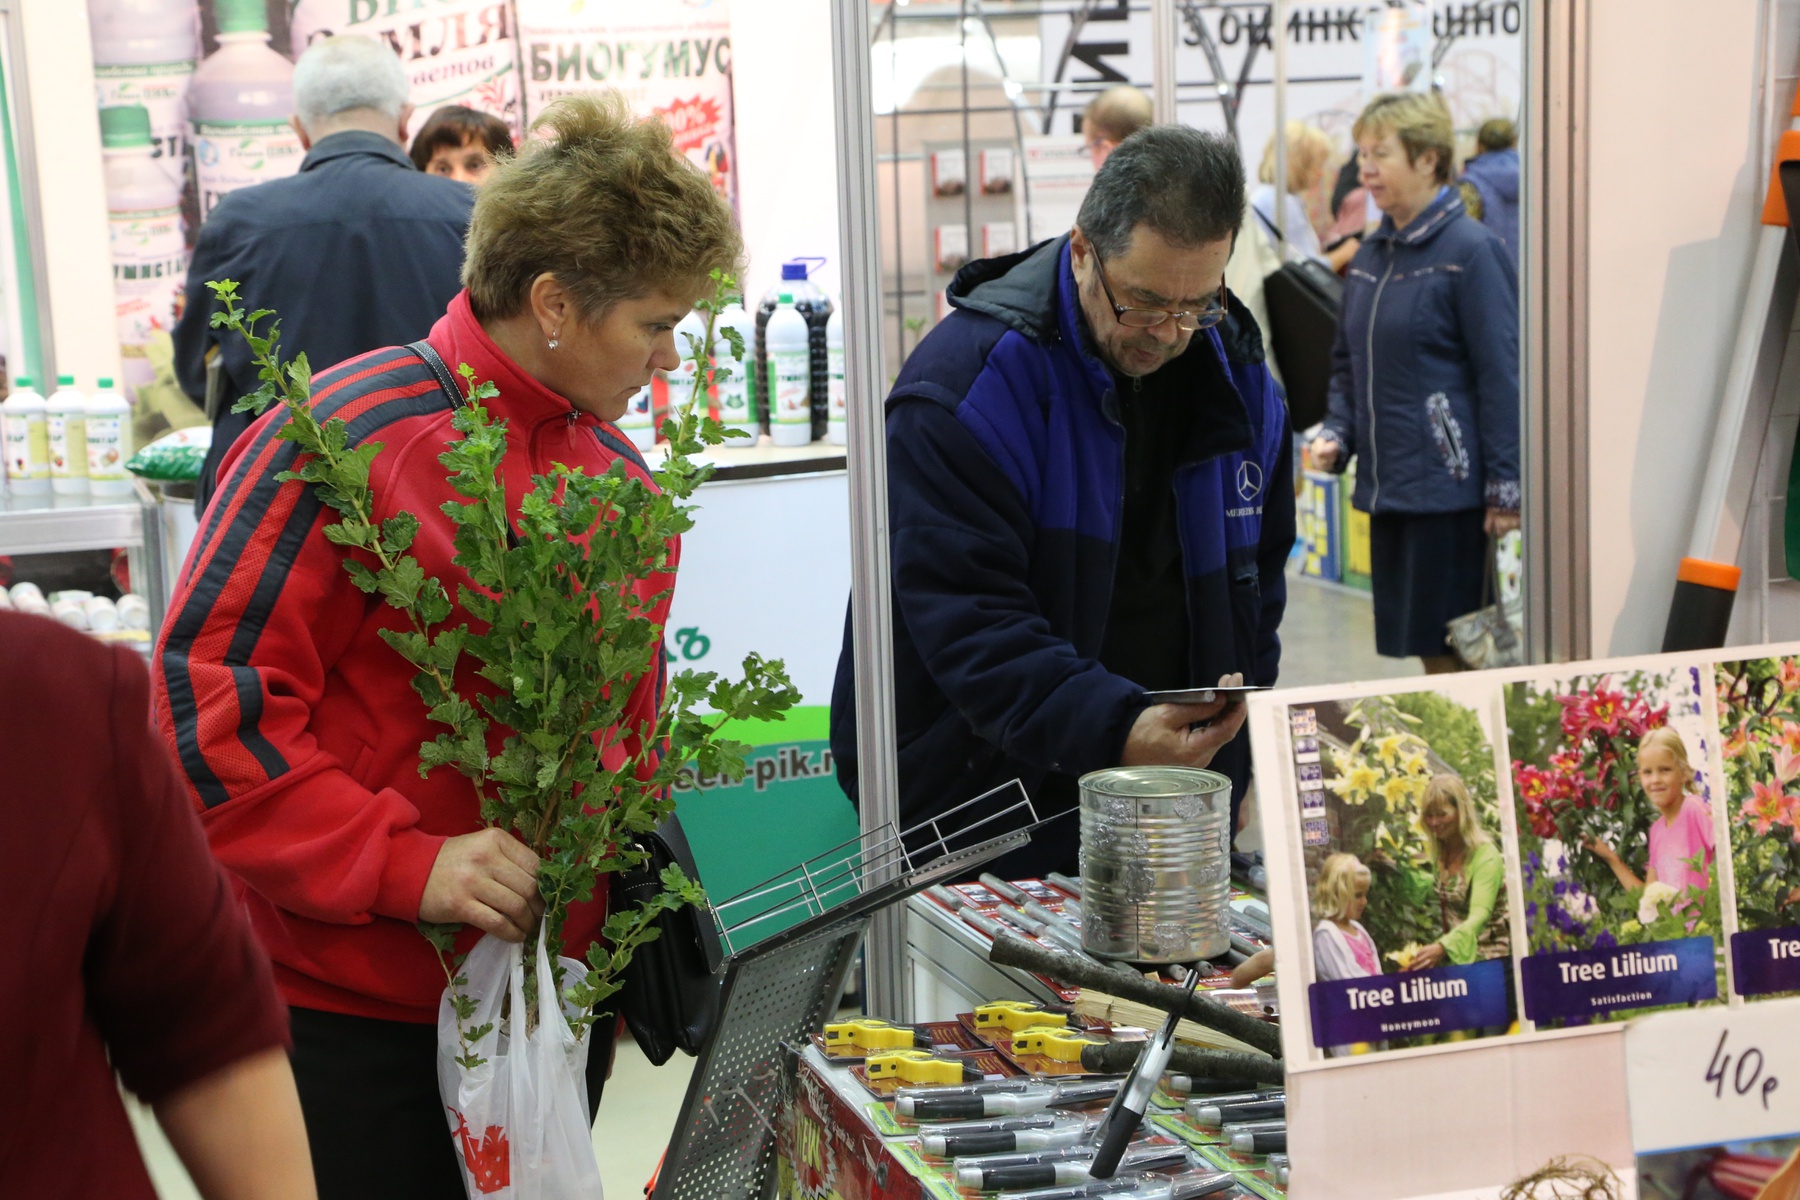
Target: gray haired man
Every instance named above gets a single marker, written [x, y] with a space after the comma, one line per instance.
[357, 251]
[1090, 497]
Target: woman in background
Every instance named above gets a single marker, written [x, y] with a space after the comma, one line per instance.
[461, 144]
[1425, 383]
[1308, 156]
[1469, 873]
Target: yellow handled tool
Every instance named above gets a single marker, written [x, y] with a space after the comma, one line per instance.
[919, 1067]
[1053, 1043]
[866, 1034]
[1015, 1015]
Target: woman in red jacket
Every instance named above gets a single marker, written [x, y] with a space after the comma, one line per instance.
[296, 724]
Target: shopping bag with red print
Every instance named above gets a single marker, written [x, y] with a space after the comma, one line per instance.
[520, 1114]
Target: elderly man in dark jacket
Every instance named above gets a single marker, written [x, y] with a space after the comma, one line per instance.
[359, 250]
[1090, 495]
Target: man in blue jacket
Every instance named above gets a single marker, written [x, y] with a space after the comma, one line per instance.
[358, 251]
[1090, 496]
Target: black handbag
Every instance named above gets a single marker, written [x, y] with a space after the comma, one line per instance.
[670, 997]
[1303, 298]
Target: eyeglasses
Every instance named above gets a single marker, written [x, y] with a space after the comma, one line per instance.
[1150, 318]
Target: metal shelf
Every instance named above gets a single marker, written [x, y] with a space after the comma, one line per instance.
[50, 524]
[45, 524]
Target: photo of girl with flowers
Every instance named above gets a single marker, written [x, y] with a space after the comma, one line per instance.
[1577, 789]
[1759, 715]
[1379, 753]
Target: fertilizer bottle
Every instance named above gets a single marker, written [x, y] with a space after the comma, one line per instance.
[239, 103]
[680, 381]
[144, 54]
[834, 353]
[108, 441]
[27, 439]
[639, 423]
[815, 306]
[737, 395]
[788, 345]
[149, 255]
[65, 419]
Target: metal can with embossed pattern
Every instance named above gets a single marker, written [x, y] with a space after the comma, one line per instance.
[1155, 864]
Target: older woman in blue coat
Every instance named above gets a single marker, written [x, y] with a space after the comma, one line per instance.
[1425, 387]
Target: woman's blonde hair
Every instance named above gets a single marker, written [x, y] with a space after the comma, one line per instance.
[1666, 737]
[1448, 789]
[1336, 888]
[598, 197]
[1420, 120]
[1308, 150]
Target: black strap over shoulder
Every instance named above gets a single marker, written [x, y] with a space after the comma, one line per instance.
[435, 362]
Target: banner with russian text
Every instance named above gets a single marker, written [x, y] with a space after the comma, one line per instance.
[669, 57]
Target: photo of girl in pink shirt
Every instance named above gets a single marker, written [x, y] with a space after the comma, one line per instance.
[1681, 838]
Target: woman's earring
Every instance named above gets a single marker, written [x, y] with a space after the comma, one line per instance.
[554, 338]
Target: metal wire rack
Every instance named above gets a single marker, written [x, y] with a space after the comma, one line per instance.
[791, 943]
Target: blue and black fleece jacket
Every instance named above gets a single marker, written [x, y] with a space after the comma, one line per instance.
[1005, 497]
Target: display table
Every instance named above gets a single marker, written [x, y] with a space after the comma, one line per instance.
[949, 967]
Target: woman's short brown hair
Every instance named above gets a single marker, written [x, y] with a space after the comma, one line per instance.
[1420, 120]
[598, 197]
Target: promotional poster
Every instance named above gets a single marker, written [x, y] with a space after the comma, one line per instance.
[1407, 886]
[1534, 851]
[1617, 841]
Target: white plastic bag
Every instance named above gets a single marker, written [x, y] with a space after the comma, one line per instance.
[520, 1119]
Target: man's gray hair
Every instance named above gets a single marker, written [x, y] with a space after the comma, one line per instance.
[338, 74]
[1186, 184]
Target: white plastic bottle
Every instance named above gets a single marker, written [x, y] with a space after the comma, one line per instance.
[65, 418]
[837, 431]
[789, 346]
[144, 53]
[108, 441]
[149, 253]
[639, 422]
[27, 438]
[239, 103]
[681, 379]
[737, 407]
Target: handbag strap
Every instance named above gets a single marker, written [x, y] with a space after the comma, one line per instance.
[438, 368]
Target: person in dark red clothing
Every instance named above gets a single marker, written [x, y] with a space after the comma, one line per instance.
[296, 723]
[123, 949]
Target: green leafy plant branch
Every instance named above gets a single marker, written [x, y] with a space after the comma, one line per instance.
[564, 633]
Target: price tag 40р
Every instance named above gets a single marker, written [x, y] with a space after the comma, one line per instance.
[1713, 1076]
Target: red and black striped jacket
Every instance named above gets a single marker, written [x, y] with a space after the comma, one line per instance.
[297, 726]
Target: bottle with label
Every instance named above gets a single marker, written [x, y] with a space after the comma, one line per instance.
[680, 381]
[65, 419]
[813, 304]
[737, 405]
[108, 441]
[27, 438]
[149, 254]
[144, 54]
[639, 421]
[240, 102]
[788, 345]
[836, 426]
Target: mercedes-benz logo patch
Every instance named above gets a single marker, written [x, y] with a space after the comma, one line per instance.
[1249, 480]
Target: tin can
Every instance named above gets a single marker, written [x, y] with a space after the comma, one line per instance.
[1155, 864]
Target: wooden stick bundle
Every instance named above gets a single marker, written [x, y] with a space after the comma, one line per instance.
[1116, 1058]
[1077, 971]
